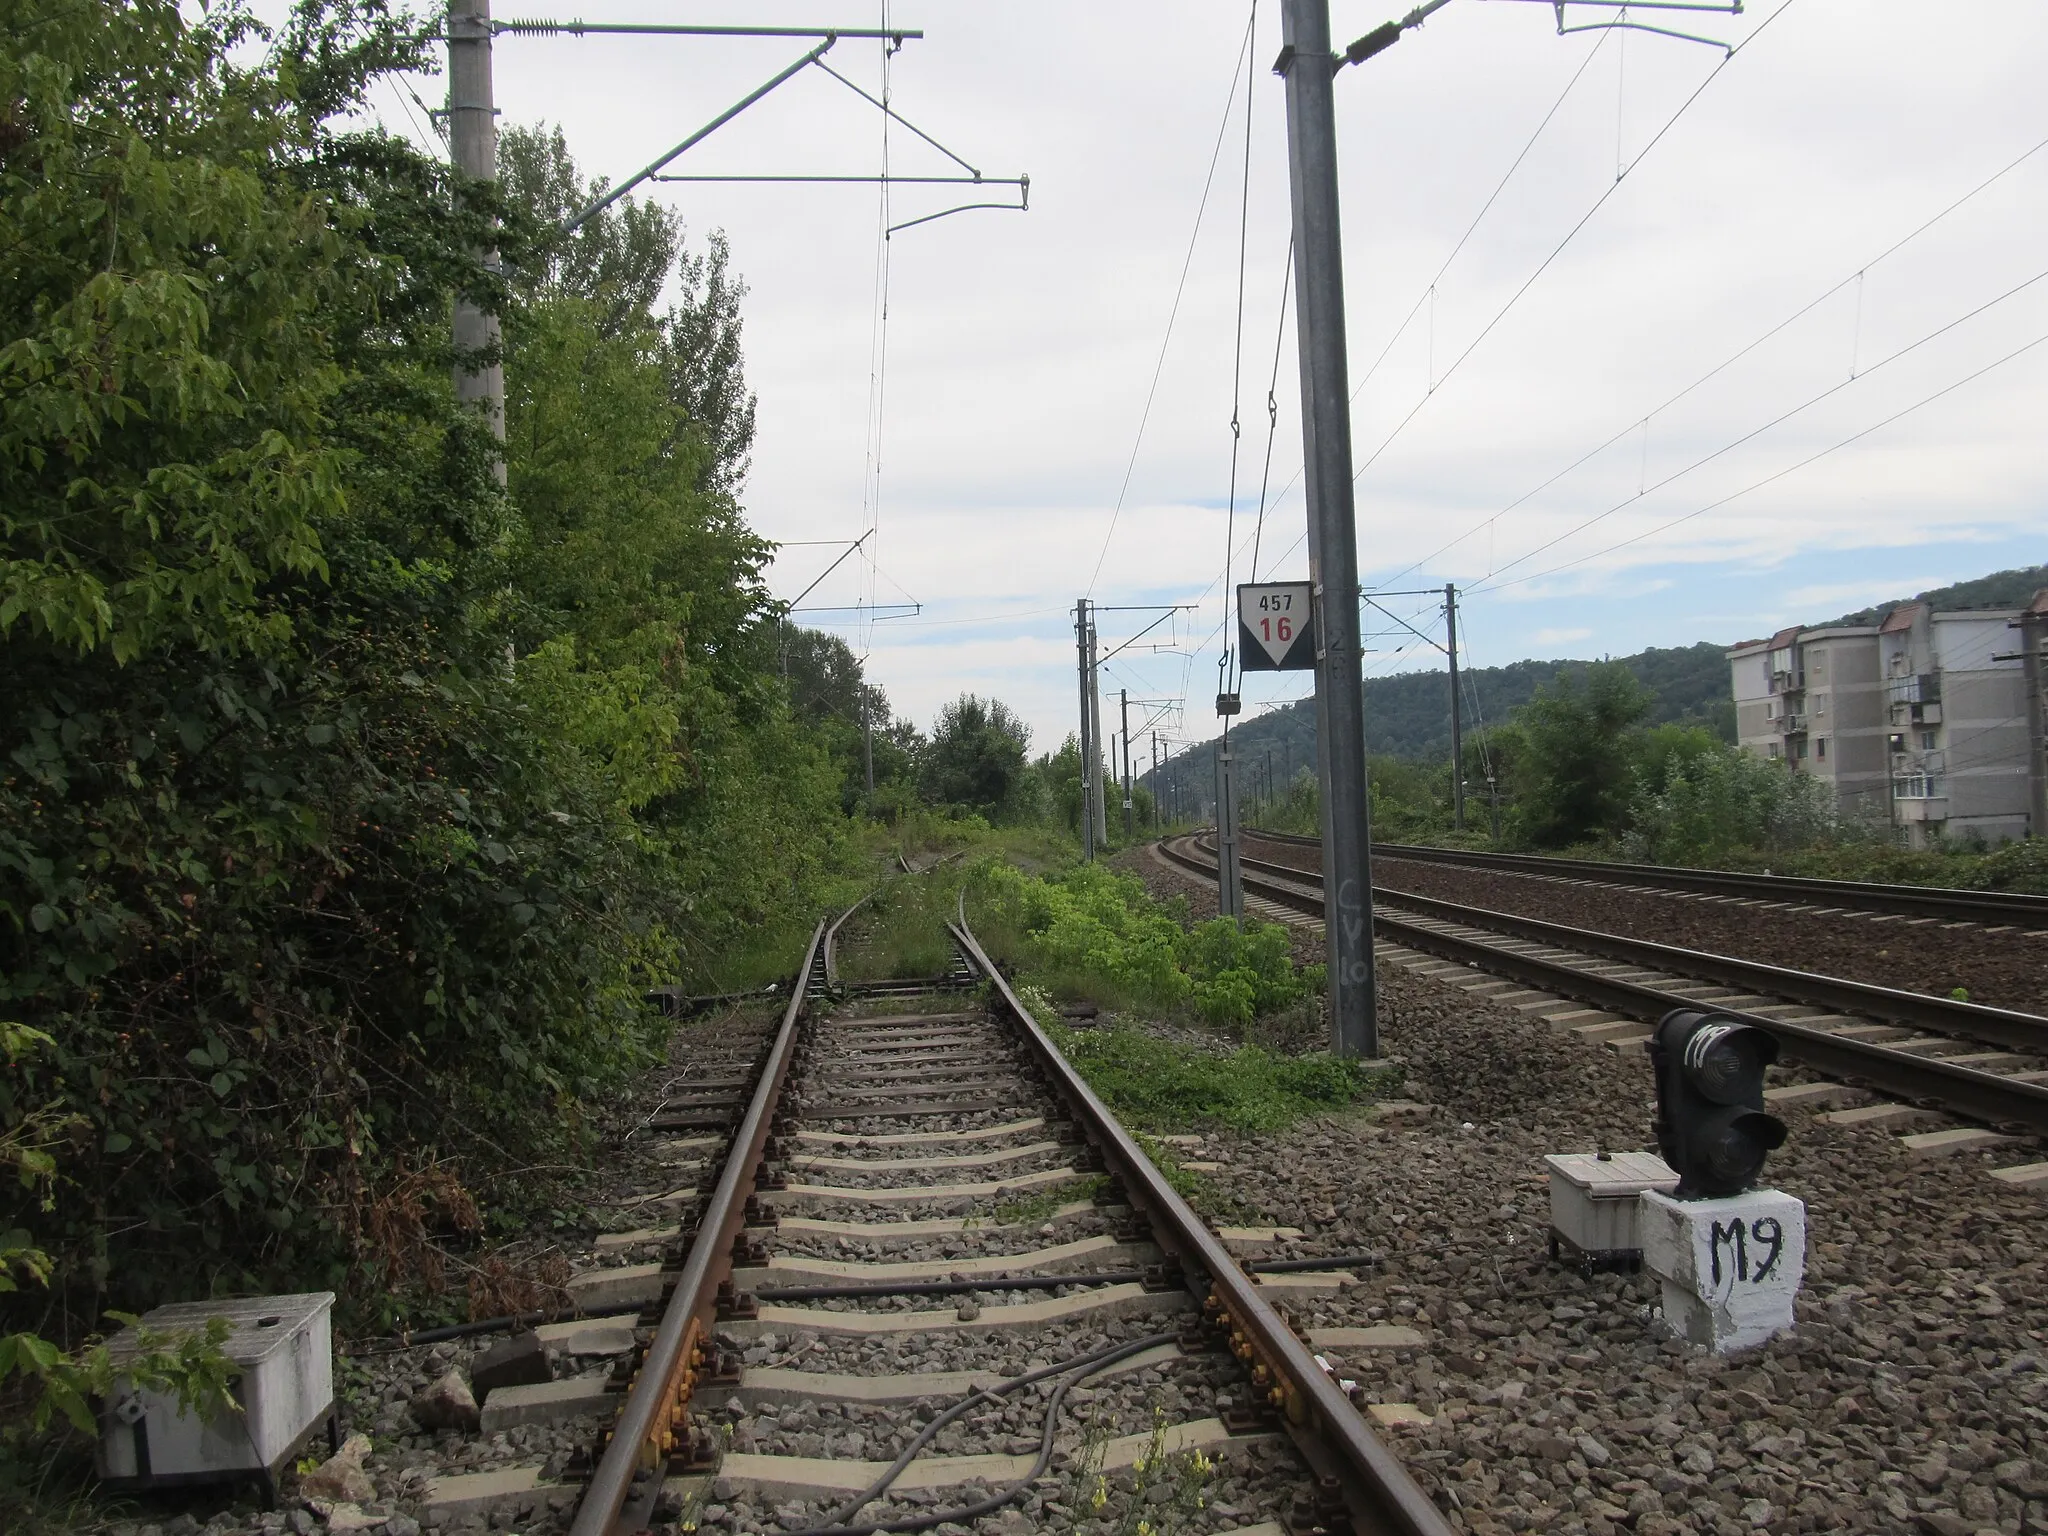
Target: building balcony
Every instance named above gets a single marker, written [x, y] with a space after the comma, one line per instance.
[1792, 725]
[1921, 688]
[1921, 788]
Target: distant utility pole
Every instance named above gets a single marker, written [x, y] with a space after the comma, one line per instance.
[1457, 718]
[1101, 764]
[1082, 631]
[1229, 880]
[867, 738]
[1124, 704]
[1307, 65]
[2033, 627]
[1156, 800]
[473, 138]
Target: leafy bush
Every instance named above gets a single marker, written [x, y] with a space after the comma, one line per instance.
[1714, 803]
[1095, 933]
[1158, 1086]
[348, 801]
[1240, 973]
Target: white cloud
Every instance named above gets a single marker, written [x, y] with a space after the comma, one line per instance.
[1021, 347]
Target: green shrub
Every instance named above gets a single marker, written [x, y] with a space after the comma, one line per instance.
[1157, 1086]
[1094, 933]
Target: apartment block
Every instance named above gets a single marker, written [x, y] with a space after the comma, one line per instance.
[1920, 719]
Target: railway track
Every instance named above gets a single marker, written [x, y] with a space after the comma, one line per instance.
[909, 1175]
[1791, 893]
[1927, 1056]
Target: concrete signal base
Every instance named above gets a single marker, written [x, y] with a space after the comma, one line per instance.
[1730, 1268]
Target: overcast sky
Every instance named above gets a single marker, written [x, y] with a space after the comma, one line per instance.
[1021, 347]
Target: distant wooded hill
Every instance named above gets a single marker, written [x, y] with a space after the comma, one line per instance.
[1409, 716]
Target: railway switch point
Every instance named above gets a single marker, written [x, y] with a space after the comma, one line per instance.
[1729, 1269]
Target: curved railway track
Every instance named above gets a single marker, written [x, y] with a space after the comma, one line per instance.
[871, 1113]
[1988, 1065]
[1792, 892]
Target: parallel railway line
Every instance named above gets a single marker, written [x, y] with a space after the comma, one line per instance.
[1988, 1065]
[1788, 892]
[963, 1105]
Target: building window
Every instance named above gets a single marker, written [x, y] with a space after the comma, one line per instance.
[1799, 748]
[1820, 703]
[1927, 741]
[1820, 747]
[1774, 749]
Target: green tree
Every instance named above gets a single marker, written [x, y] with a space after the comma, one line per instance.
[829, 691]
[308, 888]
[623, 259]
[976, 755]
[1575, 770]
[1708, 805]
[1060, 775]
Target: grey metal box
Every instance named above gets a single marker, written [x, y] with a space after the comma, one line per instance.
[1593, 1200]
[284, 1349]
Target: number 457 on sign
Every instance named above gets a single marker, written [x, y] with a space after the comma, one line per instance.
[1276, 627]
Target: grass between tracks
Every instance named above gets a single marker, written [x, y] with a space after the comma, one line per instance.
[1164, 1087]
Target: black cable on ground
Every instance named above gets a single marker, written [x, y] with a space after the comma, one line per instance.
[1084, 1367]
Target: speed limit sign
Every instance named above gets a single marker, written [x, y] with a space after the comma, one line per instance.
[1275, 627]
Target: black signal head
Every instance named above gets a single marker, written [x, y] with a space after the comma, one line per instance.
[1711, 1127]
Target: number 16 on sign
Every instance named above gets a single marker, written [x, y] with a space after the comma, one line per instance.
[1276, 629]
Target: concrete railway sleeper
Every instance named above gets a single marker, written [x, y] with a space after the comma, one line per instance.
[1930, 1056]
[899, 1148]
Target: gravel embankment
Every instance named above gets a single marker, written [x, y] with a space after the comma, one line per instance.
[2008, 970]
[1912, 1398]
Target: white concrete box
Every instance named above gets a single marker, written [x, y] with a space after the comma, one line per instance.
[1593, 1200]
[284, 1349]
[1730, 1268]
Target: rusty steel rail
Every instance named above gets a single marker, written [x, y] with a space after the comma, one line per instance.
[1952, 903]
[653, 1424]
[1341, 1450]
[832, 939]
[1967, 1091]
[1947, 1016]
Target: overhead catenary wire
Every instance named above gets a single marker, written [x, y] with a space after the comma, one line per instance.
[1244, 208]
[878, 358]
[1477, 219]
[1492, 578]
[1173, 311]
[1273, 404]
[1756, 485]
[1735, 357]
[1557, 250]
[1572, 234]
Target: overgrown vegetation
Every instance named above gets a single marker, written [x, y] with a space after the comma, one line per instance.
[358, 775]
[1096, 935]
[350, 800]
[1581, 768]
[1157, 1085]
[1091, 934]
